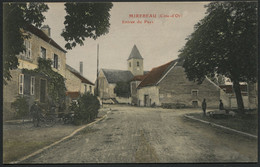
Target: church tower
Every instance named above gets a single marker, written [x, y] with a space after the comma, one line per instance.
[135, 62]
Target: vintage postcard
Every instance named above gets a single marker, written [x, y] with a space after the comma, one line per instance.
[130, 82]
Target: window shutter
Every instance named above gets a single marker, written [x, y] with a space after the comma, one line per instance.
[40, 52]
[52, 59]
[59, 62]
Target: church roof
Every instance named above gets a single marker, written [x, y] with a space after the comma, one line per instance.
[135, 54]
[114, 76]
[156, 74]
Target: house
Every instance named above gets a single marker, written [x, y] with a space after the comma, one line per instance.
[248, 92]
[76, 82]
[168, 85]
[107, 78]
[32, 85]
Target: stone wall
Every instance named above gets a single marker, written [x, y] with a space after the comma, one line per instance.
[73, 83]
[105, 89]
[176, 88]
[37, 43]
[151, 93]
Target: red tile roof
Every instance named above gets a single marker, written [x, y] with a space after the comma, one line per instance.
[228, 89]
[73, 95]
[43, 36]
[139, 77]
[155, 74]
[84, 80]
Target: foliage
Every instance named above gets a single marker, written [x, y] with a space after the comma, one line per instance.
[85, 109]
[122, 89]
[224, 42]
[85, 20]
[56, 82]
[21, 106]
[15, 18]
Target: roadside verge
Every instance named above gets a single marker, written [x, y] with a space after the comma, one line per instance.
[57, 142]
[220, 126]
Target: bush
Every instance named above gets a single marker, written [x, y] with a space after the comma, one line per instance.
[85, 109]
[21, 106]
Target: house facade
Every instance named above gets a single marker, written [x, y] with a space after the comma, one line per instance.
[168, 85]
[32, 85]
[76, 82]
[248, 92]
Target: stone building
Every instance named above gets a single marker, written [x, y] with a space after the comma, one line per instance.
[107, 78]
[33, 86]
[76, 82]
[168, 85]
[248, 92]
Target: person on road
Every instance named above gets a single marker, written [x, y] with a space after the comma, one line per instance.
[36, 111]
[204, 106]
[221, 105]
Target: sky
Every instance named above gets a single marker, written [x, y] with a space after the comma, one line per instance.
[158, 39]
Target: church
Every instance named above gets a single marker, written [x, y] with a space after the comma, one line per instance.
[107, 78]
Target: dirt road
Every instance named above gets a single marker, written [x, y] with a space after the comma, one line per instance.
[148, 135]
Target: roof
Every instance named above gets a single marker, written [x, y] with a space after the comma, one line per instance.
[156, 74]
[114, 76]
[77, 74]
[228, 88]
[135, 54]
[139, 77]
[73, 95]
[43, 36]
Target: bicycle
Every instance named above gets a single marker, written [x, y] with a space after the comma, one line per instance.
[45, 120]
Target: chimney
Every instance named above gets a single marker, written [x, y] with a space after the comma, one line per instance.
[47, 30]
[81, 68]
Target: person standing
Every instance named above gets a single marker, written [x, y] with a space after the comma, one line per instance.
[36, 111]
[204, 106]
[221, 105]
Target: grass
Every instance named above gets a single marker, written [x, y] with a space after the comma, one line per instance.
[15, 149]
[245, 123]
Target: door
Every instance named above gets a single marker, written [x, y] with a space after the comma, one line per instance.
[146, 100]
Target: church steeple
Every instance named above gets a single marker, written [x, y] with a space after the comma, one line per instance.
[135, 62]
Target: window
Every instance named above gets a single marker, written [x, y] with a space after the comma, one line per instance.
[55, 61]
[194, 92]
[43, 53]
[195, 104]
[32, 85]
[21, 80]
[137, 63]
[129, 64]
[28, 49]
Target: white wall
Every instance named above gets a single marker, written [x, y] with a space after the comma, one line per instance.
[152, 92]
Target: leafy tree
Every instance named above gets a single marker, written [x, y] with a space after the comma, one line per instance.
[122, 89]
[85, 20]
[16, 16]
[224, 42]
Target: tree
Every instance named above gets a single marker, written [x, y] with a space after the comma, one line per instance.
[85, 20]
[15, 18]
[122, 89]
[224, 42]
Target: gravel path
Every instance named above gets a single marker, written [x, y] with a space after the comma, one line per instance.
[148, 135]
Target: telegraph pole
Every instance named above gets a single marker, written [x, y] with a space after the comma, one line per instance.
[97, 66]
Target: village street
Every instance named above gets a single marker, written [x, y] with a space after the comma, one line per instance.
[136, 134]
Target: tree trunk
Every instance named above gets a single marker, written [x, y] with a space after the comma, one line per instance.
[240, 103]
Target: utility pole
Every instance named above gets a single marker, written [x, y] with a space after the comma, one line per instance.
[97, 66]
